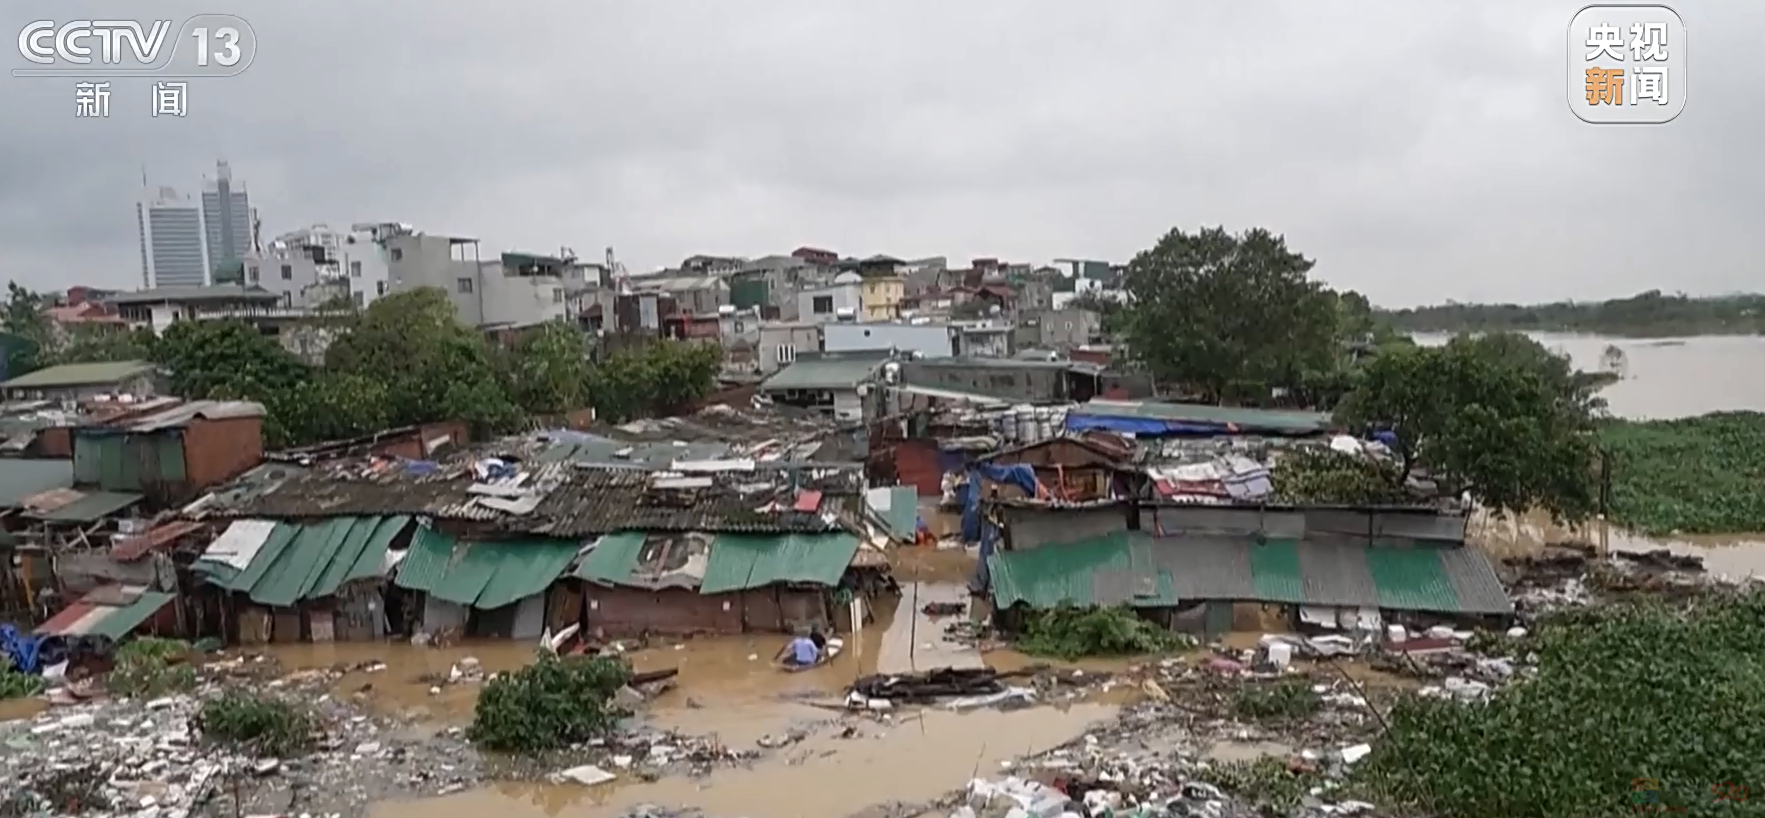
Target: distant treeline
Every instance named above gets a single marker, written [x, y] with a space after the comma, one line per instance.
[1645, 315]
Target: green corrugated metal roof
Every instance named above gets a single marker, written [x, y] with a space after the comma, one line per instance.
[1052, 575]
[431, 555]
[528, 567]
[20, 478]
[613, 558]
[126, 618]
[740, 561]
[1272, 420]
[299, 562]
[1411, 579]
[902, 516]
[1274, 570]
[95, 505]
[841, 370]
[1416, 577]
[487, 574]
[79, 374]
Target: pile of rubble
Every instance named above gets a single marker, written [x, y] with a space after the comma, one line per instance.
[142, 757]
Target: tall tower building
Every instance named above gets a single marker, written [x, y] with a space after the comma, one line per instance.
[226, 212]
[174, 246]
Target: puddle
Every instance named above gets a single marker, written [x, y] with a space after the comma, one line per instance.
[1228, 752]
[919, 758]
[1735, 556]
[13, 709]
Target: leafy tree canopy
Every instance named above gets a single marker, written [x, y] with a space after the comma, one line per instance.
[1231, 316]
[656, 379]
[1651, 314]
[1497, 415]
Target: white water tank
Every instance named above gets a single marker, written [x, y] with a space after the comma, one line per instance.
[1026, 424]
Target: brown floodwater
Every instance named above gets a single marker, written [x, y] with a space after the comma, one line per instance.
[919, 757]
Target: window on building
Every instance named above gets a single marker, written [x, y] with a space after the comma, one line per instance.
[557, 295]
[787, 353]
[361, 299]
[287, 272]
[397, 254]
[821, 304]
[355, 269]
[464, 285]
[251, 274]
[379, 288]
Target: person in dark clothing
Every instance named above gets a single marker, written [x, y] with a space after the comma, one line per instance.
[819, 640]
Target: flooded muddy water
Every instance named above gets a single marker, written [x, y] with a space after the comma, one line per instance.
[1732, 556]
[919, 758]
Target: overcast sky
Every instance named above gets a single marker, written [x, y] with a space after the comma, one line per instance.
[1420, 151]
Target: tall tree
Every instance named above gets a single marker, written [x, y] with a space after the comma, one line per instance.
[433, 366]
[1231, 316]
[25, 320]
[655, 380]
[1498, 416]
[232, 359]
[95, 344]
[550, 370]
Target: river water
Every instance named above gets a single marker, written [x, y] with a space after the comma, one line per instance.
[726, 688]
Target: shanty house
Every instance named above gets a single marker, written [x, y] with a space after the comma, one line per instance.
[493, 587]
[693, 582]
[172, 455]
[841, 384]
[1071, 468]
[73, 382]
[320, 580]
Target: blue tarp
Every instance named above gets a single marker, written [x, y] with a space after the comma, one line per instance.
[972, 524]
[20, 648]
[1143, 427]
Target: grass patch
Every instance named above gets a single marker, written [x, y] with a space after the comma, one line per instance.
[262, 725]
[148, 667]
[1702, 475]
[16, 685]
[1069, 633]
[549, 705]
[1281, 701]
[1673, 698]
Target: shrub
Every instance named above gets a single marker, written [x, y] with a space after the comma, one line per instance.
[1701, 475]
[16, 685]
[1069, 632]
[551, 704]
[260, 724]
[149, 667]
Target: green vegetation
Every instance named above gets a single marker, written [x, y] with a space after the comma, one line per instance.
[1702, 475]
[1069, 633]
[1268, 782]
[1324, 476]
[16, 685]
[1622, 693]
[549, 705]
[1281, 701]
[149, 667]
[1496, 415]
[1645, 315]
[405, 360]
[259, 724]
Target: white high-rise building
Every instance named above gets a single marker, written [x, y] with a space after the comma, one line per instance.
[174, 246]
[184, 238]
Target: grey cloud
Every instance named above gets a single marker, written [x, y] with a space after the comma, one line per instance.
[1419, 151]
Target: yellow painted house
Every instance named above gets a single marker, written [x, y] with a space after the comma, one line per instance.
[881, 297]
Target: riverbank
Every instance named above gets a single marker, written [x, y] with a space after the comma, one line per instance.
[1697, 475]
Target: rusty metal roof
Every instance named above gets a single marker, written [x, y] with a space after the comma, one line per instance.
[561, 500]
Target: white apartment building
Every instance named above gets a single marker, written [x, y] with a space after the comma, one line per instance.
[507, 290]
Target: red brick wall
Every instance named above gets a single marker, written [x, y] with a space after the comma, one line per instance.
[218, 450]
[916, 464]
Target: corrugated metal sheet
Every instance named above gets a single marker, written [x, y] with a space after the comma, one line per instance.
[1474, 581]
[467, 578]
[239, 544]
[613, 558]
[1275, 571]
[528, 568]
[1410, 579]
[1051, 575]
[298, 566]
[740, 561]
[1336, 574]
[1205, 567]
[66, 617]
[22, 478]
[89, 507]
[120, 621]
[362, 554]
[295, 562]
[427, 562]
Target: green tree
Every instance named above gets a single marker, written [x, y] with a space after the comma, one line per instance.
[231, 359]
[83, 343]
[1112, 314]
[655, 380]
[433, 366]
[1650, 314]
[1230, 316]
[332, 406]
[1498, 416]
[24, 318]
[550, 370]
